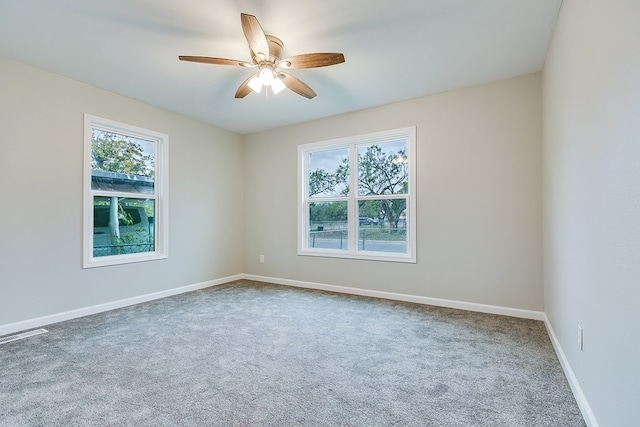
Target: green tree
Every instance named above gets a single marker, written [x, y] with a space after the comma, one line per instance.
[382, 173]
[370, 209]
[322, 181]
[328, 211]
[111, 152]
[379, 173]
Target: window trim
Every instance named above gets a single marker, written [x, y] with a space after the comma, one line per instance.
[160, 195]
[409, 134]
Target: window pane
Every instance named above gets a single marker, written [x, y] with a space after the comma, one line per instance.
[121, 163]
[329, 173]
[383, 169]
[382, 225]
[328, 225]
[123, 226]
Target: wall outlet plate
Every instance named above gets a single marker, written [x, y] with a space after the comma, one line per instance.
[581, 338]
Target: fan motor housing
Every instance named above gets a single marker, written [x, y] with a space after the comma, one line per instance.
[275, 47]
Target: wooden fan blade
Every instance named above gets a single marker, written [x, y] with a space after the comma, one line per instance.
[244, 88]
[215, 61]
[255, 35]
[312, 60]
[296, 85]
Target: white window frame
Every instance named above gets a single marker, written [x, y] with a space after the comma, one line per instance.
[304, 249]
[160, 194]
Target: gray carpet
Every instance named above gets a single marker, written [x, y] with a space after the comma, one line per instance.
[255, 354]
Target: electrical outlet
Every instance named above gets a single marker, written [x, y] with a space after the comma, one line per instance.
[580, 338]
[261, 259]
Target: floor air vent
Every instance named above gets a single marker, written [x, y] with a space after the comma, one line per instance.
[22, 335]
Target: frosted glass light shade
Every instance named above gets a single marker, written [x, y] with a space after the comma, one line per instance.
[266, 77]
[255, 84]
[277, 85]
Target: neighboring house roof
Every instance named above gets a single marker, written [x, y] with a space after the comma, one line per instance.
[113, 181]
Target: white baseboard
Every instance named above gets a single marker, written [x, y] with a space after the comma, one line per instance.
[583, 404]
[86, 311]
[469, 306]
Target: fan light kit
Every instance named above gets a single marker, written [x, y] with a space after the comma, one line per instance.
[266, 55]
[266, 77]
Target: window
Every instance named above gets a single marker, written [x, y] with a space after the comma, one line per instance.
[125, 193]
[357, 197]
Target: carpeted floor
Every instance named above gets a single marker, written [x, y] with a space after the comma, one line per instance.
[255, 354]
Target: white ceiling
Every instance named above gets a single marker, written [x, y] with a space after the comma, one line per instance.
[394, 50]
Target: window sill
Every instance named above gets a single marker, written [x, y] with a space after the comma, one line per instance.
[122, 259]
[360, 255]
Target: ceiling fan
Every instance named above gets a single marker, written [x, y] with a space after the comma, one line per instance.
[266, 55]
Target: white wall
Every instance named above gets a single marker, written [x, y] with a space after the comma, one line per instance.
[479, 198]
[591, 93]
[41, 145]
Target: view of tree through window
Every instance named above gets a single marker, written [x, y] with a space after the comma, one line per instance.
[374, 217]
[123, 191]
[111, 152]
[122, 164]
